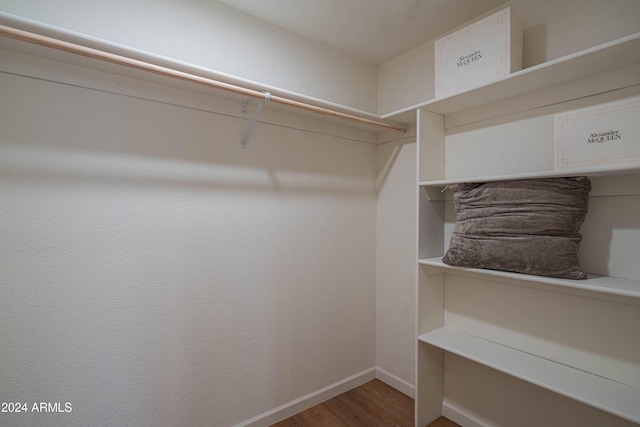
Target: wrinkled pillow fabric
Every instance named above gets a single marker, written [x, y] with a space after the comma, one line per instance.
[524, 226]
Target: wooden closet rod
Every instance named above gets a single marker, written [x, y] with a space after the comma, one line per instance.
[88, 52]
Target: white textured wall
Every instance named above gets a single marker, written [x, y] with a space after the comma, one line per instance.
[552, 29]
[155, 274]
[215, 36]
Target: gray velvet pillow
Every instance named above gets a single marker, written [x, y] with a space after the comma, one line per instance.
[527, 226]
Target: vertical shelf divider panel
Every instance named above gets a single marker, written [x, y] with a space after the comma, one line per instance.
[431, 137]
[430, 288]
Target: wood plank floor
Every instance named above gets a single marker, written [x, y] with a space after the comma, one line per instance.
[372, 404]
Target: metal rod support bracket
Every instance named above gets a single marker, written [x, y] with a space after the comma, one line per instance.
[256, 114]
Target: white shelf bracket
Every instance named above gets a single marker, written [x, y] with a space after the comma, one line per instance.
[256, 114]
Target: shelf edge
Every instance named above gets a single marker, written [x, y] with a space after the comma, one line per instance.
[608, 170]
[582, 285]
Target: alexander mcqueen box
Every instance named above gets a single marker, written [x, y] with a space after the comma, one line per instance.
[485, 51]
[599, 135]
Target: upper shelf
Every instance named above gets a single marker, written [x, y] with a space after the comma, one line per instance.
[603, 170]
[621, 53]
[40, 40]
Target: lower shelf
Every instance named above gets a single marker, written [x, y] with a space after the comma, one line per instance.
[604, 284]
[606, 395]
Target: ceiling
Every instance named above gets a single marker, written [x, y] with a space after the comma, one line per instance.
[374, 30]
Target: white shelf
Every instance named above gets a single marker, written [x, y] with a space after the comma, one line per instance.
[604, 170]
[604, 58]
[334, 114]
[604, 394]
[603, 284]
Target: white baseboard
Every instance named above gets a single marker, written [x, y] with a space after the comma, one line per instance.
[307, 401]
[457, 414]
[396, 382]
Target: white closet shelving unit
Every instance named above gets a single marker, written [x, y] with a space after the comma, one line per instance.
[489, 120]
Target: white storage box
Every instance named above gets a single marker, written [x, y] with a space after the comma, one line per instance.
[600, 135]
[485, 51]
